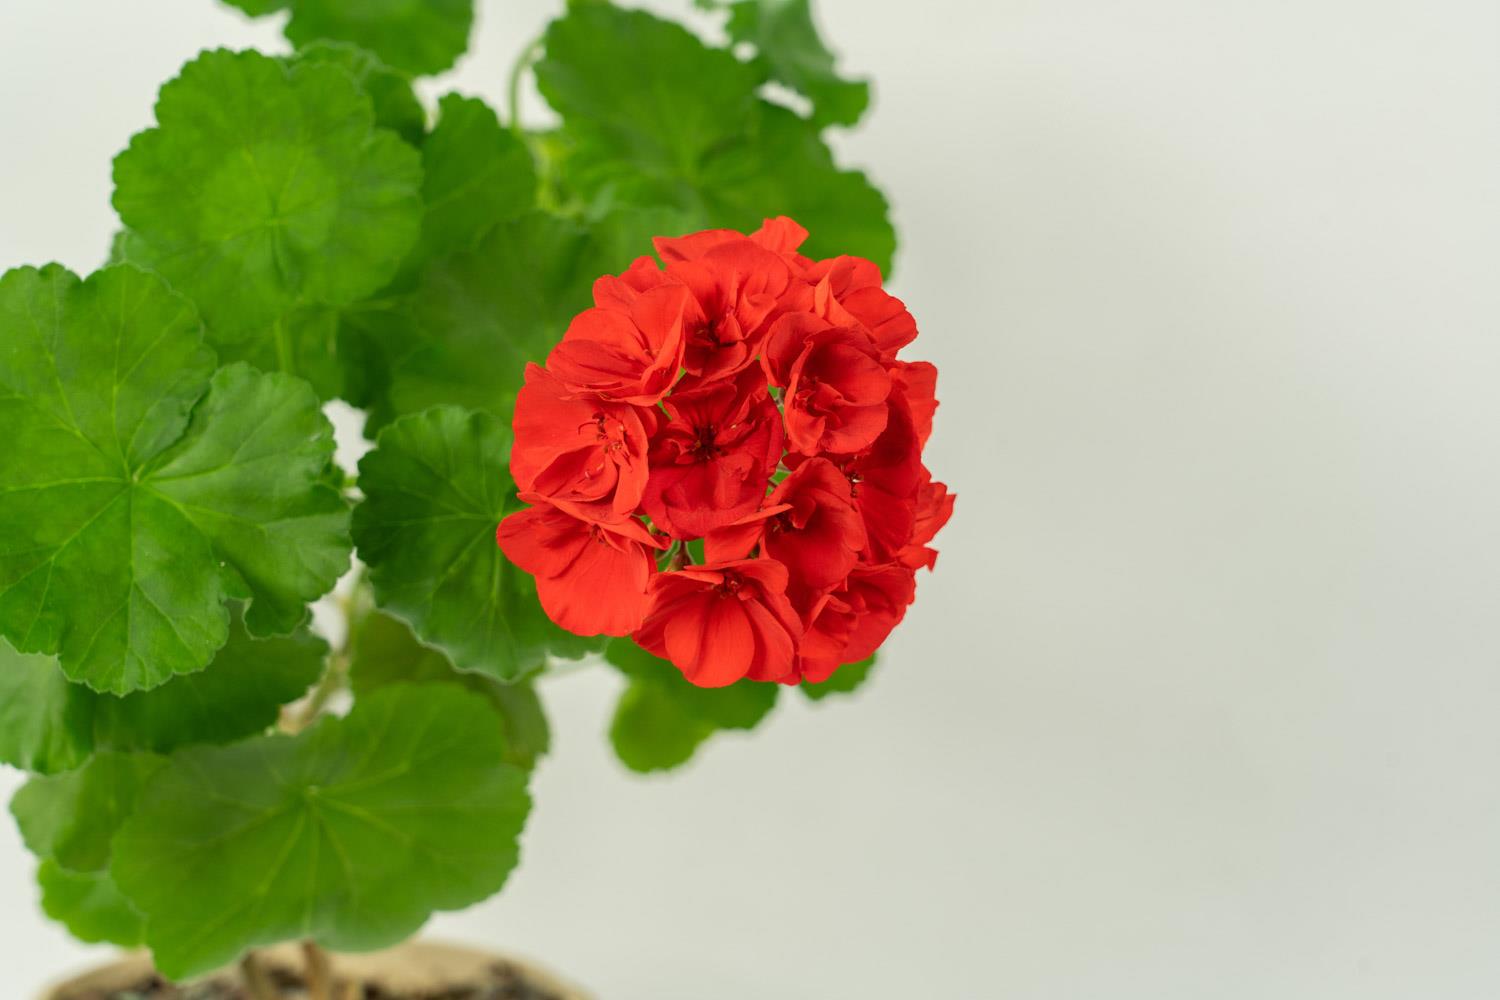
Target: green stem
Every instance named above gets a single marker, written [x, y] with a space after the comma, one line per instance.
[283, 347]
[336, 676]
[524, 62]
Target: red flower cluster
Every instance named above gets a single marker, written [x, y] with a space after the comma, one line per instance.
[752, 398]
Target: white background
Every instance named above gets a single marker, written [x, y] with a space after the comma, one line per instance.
[1202, 701]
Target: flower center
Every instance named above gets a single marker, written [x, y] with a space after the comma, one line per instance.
[706, 443]
[611, 433]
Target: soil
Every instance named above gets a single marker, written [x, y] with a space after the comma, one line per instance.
[504, 982]
[414, 971]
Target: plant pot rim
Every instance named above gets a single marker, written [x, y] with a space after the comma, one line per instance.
[416, 965]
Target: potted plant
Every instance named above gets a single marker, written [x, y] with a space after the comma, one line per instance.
[702, 467]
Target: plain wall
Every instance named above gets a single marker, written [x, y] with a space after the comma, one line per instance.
[1202, 700]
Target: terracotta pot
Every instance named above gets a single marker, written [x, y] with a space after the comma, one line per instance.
[417, 967]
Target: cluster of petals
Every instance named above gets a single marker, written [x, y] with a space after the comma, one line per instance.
[742, 397]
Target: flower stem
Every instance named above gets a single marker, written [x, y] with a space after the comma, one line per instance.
[257, 980]
[318, 972]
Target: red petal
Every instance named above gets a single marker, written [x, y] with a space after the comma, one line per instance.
[711, 641]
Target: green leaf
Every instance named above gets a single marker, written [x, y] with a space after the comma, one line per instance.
[137, 494]
[90, 906]
[465, 335]
[385, 652]
[655, 117]
[305, 342]
[72, 818]
[249, 475]
[395, 103]
[240, 694]
[476, 173]
[267, 186]
[787, 41]
[662, 719]
[436, 487]
[259, 8]
[416, 36]
[351, 833]
[845, 680]
[69, 821]
[641, 94]
[784, 167]
[46, 724]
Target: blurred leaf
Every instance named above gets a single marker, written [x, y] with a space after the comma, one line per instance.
[46, 724]
[240, 694]
[655, 117]
[71, 818]
[845, 680]
[385, 652]
[396, 105]
[90, 906]
[662, 719]
[416, 36]
[476, 173]
[464, 336]
[786, 39]
[351, 833]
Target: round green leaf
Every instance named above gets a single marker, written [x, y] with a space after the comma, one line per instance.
[476, 173]
[416, 36]
[436, 487]
[845, 680]
[662, 719]
[137, 493]
[787, 41]
[383, 651]
[90, 906]
[69, 821]
[240, 694]
[351, 833]
[654, 116]
[72, 818]
[267, 185]
[49, 725]
[478, 316]
[46, 724]
[395, 103]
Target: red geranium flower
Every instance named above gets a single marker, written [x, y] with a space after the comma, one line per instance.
[626, 353]
[829, 625]
[849, 624]
[934, 508]
[722, 622]
[678, 397]
[879, 597]
[585, 454]
[713, 456]
[836, 384]
[780, 235]
[592, 578]
[916, 381]
[809, 524]
[885, 478]
[848, 292]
